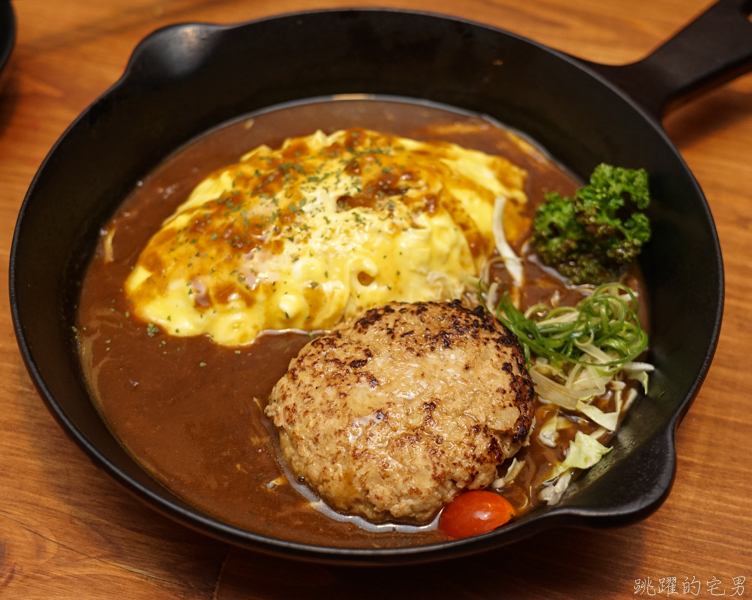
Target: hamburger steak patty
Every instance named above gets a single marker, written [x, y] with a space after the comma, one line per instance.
[391, 416]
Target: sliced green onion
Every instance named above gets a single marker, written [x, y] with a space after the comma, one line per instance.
[603, 331]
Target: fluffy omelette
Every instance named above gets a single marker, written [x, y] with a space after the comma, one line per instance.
[321, 230]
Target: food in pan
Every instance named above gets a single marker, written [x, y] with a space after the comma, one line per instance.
[184, 282]
[319, 230]
[593, 236]
[393, 415]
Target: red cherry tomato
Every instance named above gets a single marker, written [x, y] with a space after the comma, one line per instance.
[473, 513]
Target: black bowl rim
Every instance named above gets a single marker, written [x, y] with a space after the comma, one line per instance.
[7, 33]
[558, 516]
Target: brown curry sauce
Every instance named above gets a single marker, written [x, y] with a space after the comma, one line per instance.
[184, 407]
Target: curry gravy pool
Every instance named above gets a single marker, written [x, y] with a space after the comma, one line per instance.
[184, 406]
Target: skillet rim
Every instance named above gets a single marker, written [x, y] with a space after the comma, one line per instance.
[553, 517]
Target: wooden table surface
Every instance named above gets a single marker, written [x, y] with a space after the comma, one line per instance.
[68, 531]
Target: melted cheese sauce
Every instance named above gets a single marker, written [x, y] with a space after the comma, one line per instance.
[322, 229]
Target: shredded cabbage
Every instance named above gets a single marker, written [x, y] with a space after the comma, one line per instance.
[639, 371]
[548, 434]
[595, 414]
[556, 393]
[584, 452]
[511, 261]
[551, 494]
[512, 472]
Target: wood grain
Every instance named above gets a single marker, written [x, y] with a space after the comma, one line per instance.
[68, 531]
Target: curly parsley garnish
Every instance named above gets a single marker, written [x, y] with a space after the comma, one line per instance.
[590, 237]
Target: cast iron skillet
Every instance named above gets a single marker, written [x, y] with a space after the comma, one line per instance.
[7, 38]
[185, 79]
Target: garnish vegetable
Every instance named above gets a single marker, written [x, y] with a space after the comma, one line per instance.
[580, 357]
[604, 322]
[476, 512]
[589, 237]
[575, 352]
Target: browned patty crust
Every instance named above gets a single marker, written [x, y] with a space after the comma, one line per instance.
[393, 415]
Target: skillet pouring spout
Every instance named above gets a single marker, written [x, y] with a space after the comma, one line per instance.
[582, 113]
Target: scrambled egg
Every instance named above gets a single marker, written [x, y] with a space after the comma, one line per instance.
[320, 230]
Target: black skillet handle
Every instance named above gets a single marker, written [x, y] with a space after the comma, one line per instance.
[713, 49]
